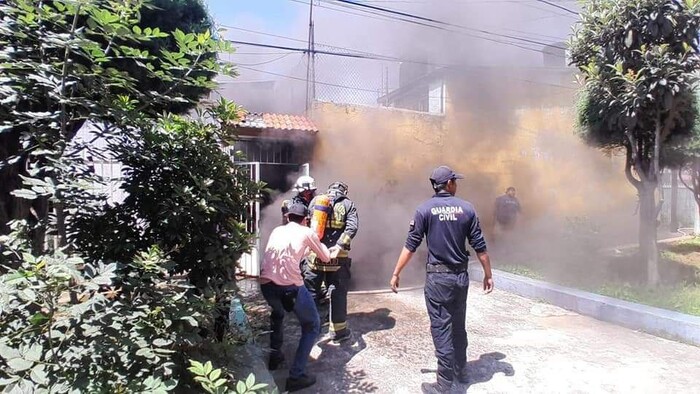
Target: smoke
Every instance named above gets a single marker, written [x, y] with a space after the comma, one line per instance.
[508, 121]
[573, 197]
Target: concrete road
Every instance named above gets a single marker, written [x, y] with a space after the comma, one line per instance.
[516, 345]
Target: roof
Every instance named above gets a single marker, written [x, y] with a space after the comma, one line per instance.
[277, 122]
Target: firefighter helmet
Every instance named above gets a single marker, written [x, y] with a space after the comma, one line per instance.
[338, 188]
[303, 183]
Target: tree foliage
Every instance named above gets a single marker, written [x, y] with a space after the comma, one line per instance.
[88, 299]
[183, 194]
[638, 61]
[75, 57]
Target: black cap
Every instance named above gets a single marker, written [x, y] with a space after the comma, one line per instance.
[443, 174]
[297, 209]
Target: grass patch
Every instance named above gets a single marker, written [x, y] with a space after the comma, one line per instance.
[684, 298]
[522, 271]
[686, 252]
[680, 298]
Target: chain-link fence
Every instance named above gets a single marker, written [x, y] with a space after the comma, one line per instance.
[350, 80]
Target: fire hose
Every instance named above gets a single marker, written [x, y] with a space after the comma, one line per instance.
[383, 291]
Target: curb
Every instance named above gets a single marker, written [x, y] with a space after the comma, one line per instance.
[249, 352]
[656, 321]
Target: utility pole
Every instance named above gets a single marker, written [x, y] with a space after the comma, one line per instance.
[311, 61]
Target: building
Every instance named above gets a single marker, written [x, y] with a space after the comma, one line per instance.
[276, 148]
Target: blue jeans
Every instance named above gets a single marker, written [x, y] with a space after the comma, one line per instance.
[446, 300]
[305, 310]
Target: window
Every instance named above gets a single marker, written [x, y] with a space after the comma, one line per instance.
[436, 98]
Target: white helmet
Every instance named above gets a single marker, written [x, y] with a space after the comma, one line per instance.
[305, 182]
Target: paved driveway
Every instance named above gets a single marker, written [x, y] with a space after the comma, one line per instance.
[516, 345]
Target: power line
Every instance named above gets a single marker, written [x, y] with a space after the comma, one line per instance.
[296, 39]
[377, 91]
[255, 53]
[268, 61]
[304, 80]
[537, 50]
[457, 1]
[259, 32]
[377, 16]
[549, 3]
[394, 19]
[439, 22]
[322, 52]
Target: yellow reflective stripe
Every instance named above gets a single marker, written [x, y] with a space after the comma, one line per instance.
[326, 268]
[337, 326]
[344, 239]
[336, 224]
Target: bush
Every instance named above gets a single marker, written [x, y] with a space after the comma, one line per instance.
[88, 299]
[66, 327]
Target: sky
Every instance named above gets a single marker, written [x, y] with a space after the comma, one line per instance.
[346, 27]
[274, 13]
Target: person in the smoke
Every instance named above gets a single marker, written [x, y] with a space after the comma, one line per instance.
[305, 186]
[506, 212]
[447, 223]
[341, 227]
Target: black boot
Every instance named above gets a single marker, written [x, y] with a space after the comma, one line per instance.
[275, 361]
[341, 336]
[434, 388]
[462, 376]
[302, 382]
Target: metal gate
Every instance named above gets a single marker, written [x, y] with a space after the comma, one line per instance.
[250, 262]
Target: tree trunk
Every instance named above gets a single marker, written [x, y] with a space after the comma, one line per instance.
[648, 249]
[695, 178]
[674, 201]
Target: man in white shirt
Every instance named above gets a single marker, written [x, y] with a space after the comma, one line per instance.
[283, 287]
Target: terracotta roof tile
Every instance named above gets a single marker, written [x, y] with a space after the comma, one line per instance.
[278, 121]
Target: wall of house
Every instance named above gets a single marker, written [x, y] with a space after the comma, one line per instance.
[386, 155]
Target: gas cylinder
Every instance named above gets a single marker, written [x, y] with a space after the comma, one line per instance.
[321, 210]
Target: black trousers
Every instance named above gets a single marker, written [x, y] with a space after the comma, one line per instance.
[446, 300]
[337, 287]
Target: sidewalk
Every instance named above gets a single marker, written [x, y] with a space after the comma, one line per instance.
[516, 346]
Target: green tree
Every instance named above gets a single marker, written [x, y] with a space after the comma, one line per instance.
[74, 318]
[58, 56]
[185, 195]
[638, 60]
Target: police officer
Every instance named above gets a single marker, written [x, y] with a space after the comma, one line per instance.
[305, 186]
[448, 223]
[341, 228]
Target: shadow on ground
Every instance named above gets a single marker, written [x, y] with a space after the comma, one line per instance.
[485, 367]
[481, 370]
[330, 365]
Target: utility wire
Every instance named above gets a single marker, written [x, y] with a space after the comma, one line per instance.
[456, 1]
[304, 80]
[394, 19]
[268, 61]
[297, 40]
[322, 52]
[377, 16]
[377, 91]
[561, 7]
[443, 23]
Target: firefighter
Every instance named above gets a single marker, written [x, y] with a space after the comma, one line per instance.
[447, 223]
[305, 187]
[340, 228]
